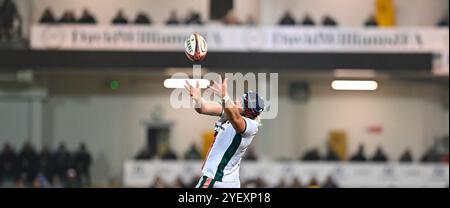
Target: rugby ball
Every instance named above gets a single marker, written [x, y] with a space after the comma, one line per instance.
[195, 47]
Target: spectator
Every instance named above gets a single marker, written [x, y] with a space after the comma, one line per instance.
[251, 21]
[144, 154]
[56, 182]
[331, 156]
[45, 162]
[443, 22]
[120, 18]
[8, 14]
[36, 184]
[371, 21]
[20, 183]
[296, 183]
[82, 163]
[281, 183]
[47, 17]
[28, 162]
[430, 156]
[169, 155]
[194, 18]
[230, 19]
[68, 18]
[379, 156]
[142, 19]
[43, 180]
[308, 21]
[179, 183]
[159, 183]
[287, 19]
[62, 161]
[406, 157]
[8, 162]
[72, 179]
[251, 155]
[192, 153]
[330, 183]
[313, 183]
[329, 21]
[173, 19]
[256, 183]
[87, 17]
[360, 155]
[312, 155]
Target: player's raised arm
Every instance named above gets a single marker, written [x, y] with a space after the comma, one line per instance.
[201, 105]
[230, 109]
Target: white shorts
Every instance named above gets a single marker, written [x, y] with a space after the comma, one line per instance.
[206, 182]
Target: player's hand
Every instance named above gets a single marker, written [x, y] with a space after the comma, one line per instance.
[194, 92]
[220, 90]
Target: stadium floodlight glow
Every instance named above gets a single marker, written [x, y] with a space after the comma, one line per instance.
[354, 85]
[180, 83]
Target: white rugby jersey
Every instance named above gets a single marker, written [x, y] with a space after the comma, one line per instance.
[224, 157]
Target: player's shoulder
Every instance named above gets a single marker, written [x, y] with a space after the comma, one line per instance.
[251, 126]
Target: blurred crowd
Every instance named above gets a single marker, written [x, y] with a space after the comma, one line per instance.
[258, 182]
[120, 18]
[45, 169]
[432, 155]
[327, 20]
[10, 21]
[195, 18]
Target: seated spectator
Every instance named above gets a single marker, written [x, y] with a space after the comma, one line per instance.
[430, 156]
[287, 19]
[8, 14]
[144, 154]
[179, 183]
[371, 21]
[82, 163]
[72, 179]
[308, 21]
[173, 19]
[331, 156]
[329, 21]
[28, 162]
[120, 18]
[406, 157]
[194, 18]
[45, 162]
[250, 155]
[169, 155]
[159, 183]
[256, 183]
[443, 22]
[230, 19]
[312, 155]
[360, 155]
[281, 183]
[87, 17]
[379, 156]
[47, 17]
[8, 164]
[192, 153]
[142, 19]
[329, 183]
[296, 183]
[251, 21]
[62, 161]
[68, 18]
[56, 182]
[313, 183]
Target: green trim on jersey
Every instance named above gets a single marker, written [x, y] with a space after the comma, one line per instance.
[227, 156]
